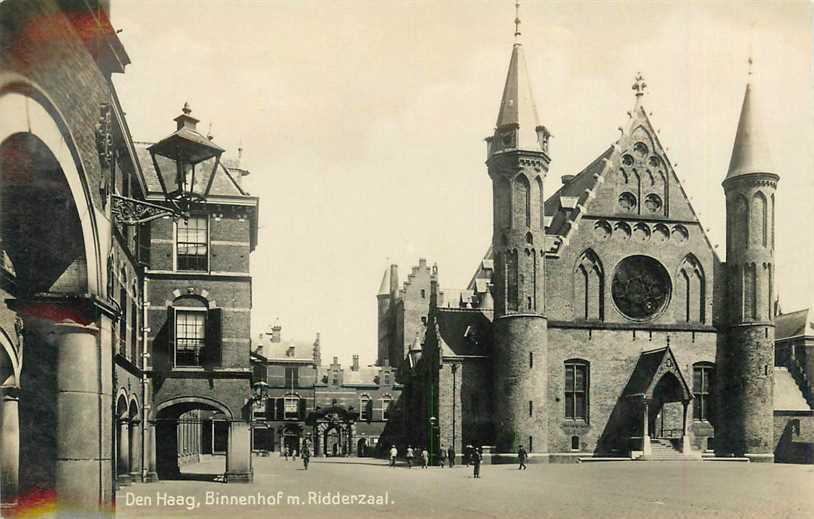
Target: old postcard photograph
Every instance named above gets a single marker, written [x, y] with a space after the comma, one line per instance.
[406, 258]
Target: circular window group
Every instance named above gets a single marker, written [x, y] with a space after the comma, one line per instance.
[641, 231]
[652, 203]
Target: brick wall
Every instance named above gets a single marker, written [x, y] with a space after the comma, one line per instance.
[794, 437]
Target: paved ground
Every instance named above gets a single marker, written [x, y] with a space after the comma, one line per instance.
[590, 490]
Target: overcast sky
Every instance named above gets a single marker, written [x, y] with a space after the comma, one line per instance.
[362, 123]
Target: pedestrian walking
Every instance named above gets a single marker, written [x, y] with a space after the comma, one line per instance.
[285, 453]
[306, 456]
[522, 456]
[468, 454]
[425, 458]
[393, 453]
[476, 460]
[451, 456]
[442, 457]
[410, 455]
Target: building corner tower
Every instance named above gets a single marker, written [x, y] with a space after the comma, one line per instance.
[517, 161]
[745, 393]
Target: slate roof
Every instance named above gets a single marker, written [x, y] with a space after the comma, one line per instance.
[464, 332]
[646, 368]
[794, 324]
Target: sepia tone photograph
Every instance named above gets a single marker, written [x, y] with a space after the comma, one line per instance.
[406, 258]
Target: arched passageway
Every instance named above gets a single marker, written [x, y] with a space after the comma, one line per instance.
[184, 428]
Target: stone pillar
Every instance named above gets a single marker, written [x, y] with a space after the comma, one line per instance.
[686, 446]
[149, 454]
[238, 453]
[9, 448]
[646, 448]
[135, 450]
[123, 453]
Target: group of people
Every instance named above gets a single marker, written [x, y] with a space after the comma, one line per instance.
[472, 455]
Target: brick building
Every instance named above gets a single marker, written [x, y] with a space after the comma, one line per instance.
[85, 404]
[341, 411]
[601, 321]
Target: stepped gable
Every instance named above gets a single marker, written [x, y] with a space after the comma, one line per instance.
[632, 179]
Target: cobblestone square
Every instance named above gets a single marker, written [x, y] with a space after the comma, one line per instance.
[589, 490]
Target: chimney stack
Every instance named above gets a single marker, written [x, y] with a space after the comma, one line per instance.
[276, 332]
[355, 366]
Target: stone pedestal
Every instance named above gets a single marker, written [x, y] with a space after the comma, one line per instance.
[123, 454]
[135, 450]
[238, 454]
[151, 473]
[9, 448]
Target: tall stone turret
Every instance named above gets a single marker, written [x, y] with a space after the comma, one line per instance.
[746, 376]
[388, 291]
[517, 161]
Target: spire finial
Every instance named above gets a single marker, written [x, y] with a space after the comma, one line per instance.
[639, 84]
[517, 21]
[750, 61]
[186, 109]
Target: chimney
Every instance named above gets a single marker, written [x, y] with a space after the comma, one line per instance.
[355, 366]
[317, 352]
[276, 332]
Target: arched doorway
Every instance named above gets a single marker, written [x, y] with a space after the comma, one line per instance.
[361, 447]
[291, 438]
[122, 440]
[50, 262]
[666, 411]
[180, 437]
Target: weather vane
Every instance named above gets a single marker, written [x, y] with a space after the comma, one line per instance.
[516, 21]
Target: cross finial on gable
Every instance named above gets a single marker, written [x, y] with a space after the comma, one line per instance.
[750, 61]
[639, 84]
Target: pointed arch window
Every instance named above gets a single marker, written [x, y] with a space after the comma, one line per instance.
[692, 290]
[760, 220]
[539, 201]
[589, 281]
[512, 292]
[522, 197]
[365, 407]
[740, 228]
[749, 291]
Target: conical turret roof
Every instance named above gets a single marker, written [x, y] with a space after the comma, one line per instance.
[750, 153]
[384, 288]
[517, 108]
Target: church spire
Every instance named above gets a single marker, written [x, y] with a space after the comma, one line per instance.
[750, 152]
[518, 125]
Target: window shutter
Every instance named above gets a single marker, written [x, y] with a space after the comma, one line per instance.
[280, 414]
[302, 409]
[212, 353]
[171, 335]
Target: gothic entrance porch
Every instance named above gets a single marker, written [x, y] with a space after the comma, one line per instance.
[659, 399]
[333, 430]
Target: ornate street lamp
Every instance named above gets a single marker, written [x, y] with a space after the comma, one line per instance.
[259, 391]
[178, 160]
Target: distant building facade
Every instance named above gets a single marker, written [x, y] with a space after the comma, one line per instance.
[340, 410]
[601, 321]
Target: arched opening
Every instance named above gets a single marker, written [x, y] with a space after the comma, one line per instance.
[189, 431]
[666, 410]
[361, 447]
[43, 247]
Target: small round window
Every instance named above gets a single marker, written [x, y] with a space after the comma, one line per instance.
[653, 203]
[627, 202]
